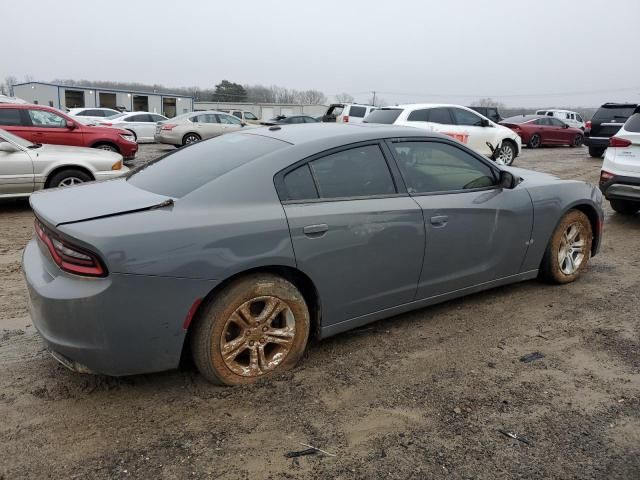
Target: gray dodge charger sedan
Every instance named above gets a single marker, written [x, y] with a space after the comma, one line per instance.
[242, 247]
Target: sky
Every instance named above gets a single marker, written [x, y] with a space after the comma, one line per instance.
[542, 54]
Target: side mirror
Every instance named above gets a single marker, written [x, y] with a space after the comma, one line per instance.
[71, 125]
[484, 122]
[8, 147]
[508, 180]
[565, 126]
[243, 124]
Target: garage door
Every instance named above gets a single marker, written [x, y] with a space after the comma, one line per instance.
[267, 113]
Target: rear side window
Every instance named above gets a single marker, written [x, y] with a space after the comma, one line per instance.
[419, 116]
[300, 185]
[358, 112]
[335, 110]
[357, 172]
[187, 169]
[10, 116]
[384, 115]
[237, 114]
[633, 124]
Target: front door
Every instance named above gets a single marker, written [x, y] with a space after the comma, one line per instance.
[479, 136]
[476, 231]
[49, 127]
[16, 170]
[359, 239]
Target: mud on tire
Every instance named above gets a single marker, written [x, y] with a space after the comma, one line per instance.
[569, 249]
[254, 327]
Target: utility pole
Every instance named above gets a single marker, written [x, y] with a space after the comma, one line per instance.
[374, 98]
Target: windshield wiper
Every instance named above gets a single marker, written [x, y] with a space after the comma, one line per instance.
[34, 145]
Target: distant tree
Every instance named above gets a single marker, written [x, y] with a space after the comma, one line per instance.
[344, 98]
[227, 91]
[9, 82]
[311, 97]
[488, 102]
[259, 94]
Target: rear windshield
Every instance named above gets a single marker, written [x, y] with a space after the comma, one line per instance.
[187, 169]
[384, 115]
[520, 119]
[633, 124]
[618, 114]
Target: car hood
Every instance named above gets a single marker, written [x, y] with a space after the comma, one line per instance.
[107, 130]
[93, 200]
[531, 177]
[76, 152]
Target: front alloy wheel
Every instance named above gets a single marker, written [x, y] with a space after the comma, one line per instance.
[506, 154]
[69, 182]
[571, 252]
[255, 326]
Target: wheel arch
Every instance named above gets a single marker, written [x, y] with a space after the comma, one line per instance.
[191, 133]
[595, 221]
[96, 143]
[61, 168]
[515, 146]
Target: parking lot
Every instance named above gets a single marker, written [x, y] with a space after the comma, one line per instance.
[421, 395]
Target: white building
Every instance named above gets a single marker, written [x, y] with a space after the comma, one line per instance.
[265, 111]
[61, 96]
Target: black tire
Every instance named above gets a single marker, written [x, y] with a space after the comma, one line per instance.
[67, 178]
[535, 141]
[190, 138]
[577, 141]
[596, 152]
[507, 153]
[625, 207]
[237, 338]
[554, 267]
[110, 147]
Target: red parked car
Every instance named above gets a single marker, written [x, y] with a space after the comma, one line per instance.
[537, 130]
[40, 124]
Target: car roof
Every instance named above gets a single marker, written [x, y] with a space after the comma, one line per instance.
[336, 134]
[522, 118]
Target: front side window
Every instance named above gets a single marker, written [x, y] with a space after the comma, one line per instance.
[250, 116]
[10, 116]
[556, 123]
[358, 112]
[440, 115]
[579, 118]
[464, 117]
[357, 172]
[429, 167]
[42, 118]
[229, 120]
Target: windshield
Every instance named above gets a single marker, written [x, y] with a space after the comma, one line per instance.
[186, 170]
[383, 115]
[10, 137]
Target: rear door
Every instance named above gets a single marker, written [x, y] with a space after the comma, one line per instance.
[207, 125]
[353, 230]
[50, 127]
[476, 231]
[546, 131]
[16, 121]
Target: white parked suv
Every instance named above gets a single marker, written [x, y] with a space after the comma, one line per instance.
[347, 112]
[620, 174]
[93, 113]
[573, 119]
[479, 133]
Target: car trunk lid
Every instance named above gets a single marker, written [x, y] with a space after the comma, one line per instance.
[93, 200]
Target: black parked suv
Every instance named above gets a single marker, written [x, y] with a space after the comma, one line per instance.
[491, 113]
[605, 124]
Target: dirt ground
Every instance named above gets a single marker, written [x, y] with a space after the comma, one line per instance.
[421, 395]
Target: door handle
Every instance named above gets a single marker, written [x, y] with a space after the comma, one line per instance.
[439, 220]
[318, 229]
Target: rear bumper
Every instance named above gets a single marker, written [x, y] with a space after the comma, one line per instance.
[117, 325]
[621, 187]
[598, 142]
[168, 139]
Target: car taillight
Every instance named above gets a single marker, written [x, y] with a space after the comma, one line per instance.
[68, 257]
[619, 142]
[345, 119]
[168, 126]
[588, 124]
[605, 176]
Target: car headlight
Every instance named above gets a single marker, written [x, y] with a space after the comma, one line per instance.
[128, 138]
[117, 165]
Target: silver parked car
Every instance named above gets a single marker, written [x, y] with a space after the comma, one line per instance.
[26, 167]
[247, 244]
[195, 126]
[141, 124]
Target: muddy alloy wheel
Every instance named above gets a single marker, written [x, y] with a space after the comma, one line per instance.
[255, 326]
[577, 141]
[506, 154]
[534, 141]
[569, 249]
